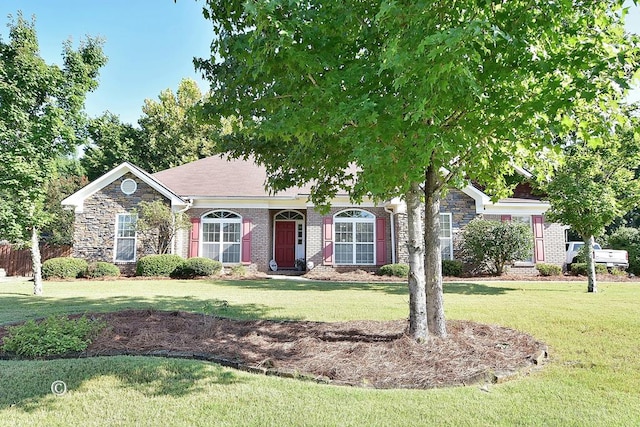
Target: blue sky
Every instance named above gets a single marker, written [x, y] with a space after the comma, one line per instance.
[150, 44]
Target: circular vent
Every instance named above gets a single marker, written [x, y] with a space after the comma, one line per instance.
[128, 186]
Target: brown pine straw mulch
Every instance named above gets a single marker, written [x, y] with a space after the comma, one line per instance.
[360, 353]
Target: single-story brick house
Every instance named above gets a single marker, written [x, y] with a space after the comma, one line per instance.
[235, 220]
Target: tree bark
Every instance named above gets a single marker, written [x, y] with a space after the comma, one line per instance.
[418, 326]
[592, 285]
[37, 262]
[433, 257]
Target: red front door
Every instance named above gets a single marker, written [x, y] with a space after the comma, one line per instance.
[285, 244]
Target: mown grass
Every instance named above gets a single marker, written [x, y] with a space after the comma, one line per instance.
[593, 377]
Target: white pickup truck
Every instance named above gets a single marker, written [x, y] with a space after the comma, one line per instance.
[610, 257]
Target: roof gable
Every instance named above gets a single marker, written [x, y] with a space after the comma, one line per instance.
[76, 200]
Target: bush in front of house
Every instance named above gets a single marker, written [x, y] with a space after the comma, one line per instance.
[396, 270]
[452, 267]
[196, 267]
[101, 269]
[51, 336]
[628, 239]
[549, 269]
[580, 269]
[491, 245]
[158, 265]
[63, 268]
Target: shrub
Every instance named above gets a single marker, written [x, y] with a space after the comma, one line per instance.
[196, 267]
[158, 265]
[580, 269]
[628, 239]
[238, 270]
[397, 270]
[549, 270]
[101, 269]
[52, 336]
[63, 268]
[491, 245]
[452, 267]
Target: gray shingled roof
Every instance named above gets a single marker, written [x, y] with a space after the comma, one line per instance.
[216, 176]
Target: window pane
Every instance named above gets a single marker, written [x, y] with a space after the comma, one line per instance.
[445, 225]
[344, 232]
[211, 250]
[364, 253]
[231, 232]
[364, 232]
[126, 225]
[210, 232]
[344, 253]
[125, 250]
[445, 248]
[231, 252]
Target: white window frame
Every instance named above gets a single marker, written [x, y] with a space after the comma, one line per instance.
[446, 239]
[366, 218]
[221, 217]
[120, 221]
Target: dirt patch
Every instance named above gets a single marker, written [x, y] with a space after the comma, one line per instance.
[362, 353]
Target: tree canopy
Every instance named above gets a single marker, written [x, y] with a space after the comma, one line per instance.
[169, 134]
[596, 184]
[41, 119]
[419, 95]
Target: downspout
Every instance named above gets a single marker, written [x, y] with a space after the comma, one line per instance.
[173, 240]
[393, 233]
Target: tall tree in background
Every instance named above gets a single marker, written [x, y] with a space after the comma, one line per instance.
[168, 135]
[67, 177]
[41, 119]
[112, 142]
[419, 95]
[171, 131]
[595, 185]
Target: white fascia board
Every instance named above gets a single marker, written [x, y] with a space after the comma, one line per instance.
[478, 196]
[76, 200]
[516, 208]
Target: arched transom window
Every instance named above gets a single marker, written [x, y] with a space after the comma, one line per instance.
[222, 236]
[289, 215]
[354, 237]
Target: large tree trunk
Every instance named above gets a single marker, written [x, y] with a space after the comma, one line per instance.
[417, 294]
[433, 258]
[37, 262]
[592, 285]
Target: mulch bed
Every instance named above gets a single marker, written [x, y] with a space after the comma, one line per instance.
[360, 353]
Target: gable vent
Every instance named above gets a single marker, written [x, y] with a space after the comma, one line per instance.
[128, 186]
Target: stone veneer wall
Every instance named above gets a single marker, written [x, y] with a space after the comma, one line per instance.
[315, 237]
[95, 228]
[462, 209]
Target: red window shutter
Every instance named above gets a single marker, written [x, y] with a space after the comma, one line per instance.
[538, 237]
[327, 242]
[381, 241]
[246, 241]
[194, 238]
[505, 218]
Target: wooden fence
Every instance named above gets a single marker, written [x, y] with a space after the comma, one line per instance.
[17, 262]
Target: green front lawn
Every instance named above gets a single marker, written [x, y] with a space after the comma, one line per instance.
[593, 377]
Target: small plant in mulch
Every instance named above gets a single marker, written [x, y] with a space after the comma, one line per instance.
[55, 335]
